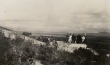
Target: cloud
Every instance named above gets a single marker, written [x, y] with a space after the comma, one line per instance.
[55, 15]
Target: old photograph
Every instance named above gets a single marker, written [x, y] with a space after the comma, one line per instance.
[54, 32]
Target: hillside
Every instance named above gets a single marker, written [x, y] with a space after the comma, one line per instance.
[19, 49]
[5, 28]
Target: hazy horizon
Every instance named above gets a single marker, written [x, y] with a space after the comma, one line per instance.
[68, 16]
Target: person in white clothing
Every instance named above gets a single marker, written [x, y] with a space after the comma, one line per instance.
[83, 38]
[70, 39]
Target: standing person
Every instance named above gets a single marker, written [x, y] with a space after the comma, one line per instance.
[70, 39]
[79, 39]
[83, 39]
[73, 38]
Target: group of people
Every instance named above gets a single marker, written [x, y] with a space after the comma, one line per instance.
[71, 38]
[48, 40]
[44, 39]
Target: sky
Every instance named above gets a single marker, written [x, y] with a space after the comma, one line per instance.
[74, 16]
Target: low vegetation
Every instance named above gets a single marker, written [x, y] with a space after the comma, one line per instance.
[19, 52]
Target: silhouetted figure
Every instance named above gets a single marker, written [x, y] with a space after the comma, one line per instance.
[73, 38]
[79, 39]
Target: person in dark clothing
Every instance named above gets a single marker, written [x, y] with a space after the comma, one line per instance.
[73, 38]
[79, 39]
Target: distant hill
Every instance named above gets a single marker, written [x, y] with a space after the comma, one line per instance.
[5, 28]
[104, 32]
[99, 34]
[62, 34]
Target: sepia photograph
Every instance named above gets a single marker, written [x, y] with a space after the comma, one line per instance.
[54, 32]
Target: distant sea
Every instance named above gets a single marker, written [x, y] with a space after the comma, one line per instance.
[64, 35]
[46, 34]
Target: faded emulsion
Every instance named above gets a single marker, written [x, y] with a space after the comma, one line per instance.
[54, 32]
